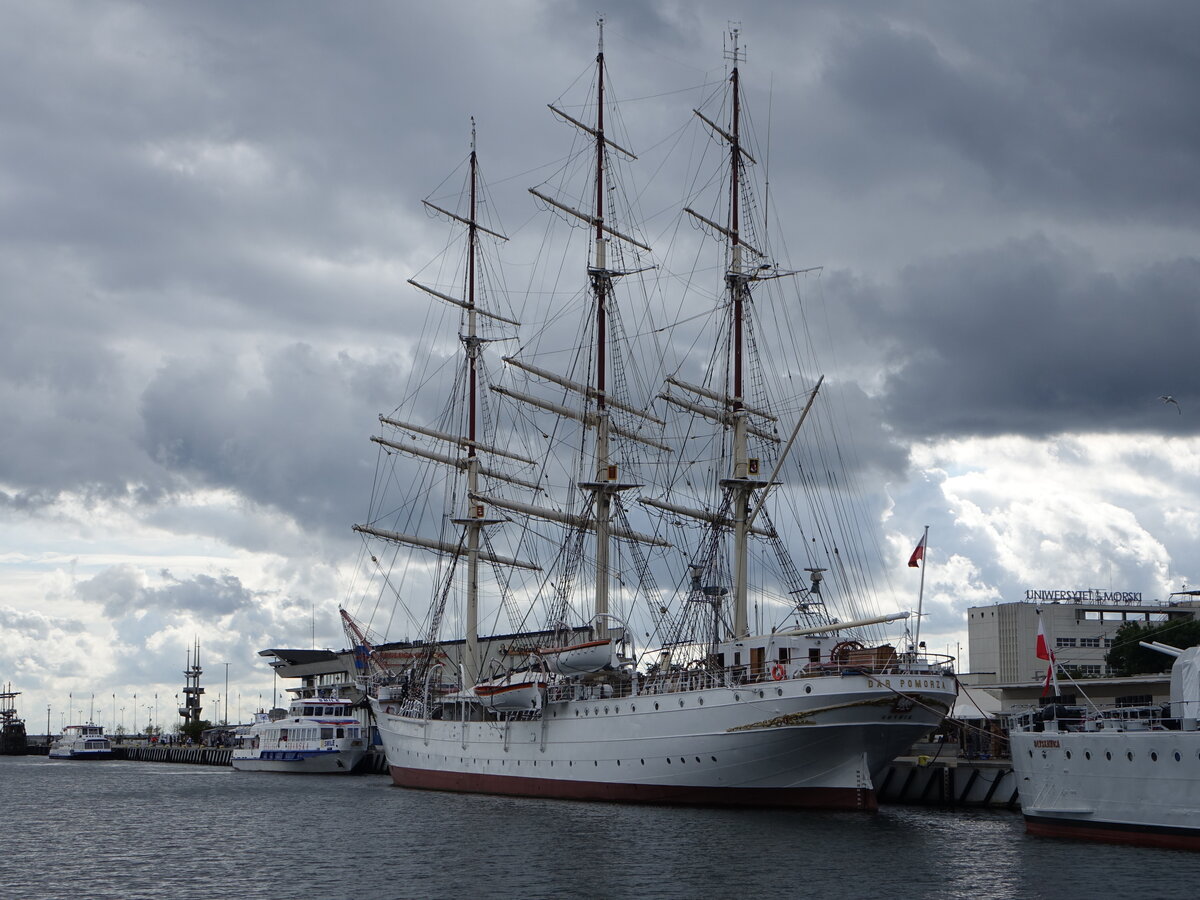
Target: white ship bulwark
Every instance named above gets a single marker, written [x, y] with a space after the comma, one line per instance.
[593, 518]
[1128, 775]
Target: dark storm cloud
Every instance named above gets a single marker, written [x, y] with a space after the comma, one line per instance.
[121, 591]
[1035, 339]
[293, 437]
[1074, 109]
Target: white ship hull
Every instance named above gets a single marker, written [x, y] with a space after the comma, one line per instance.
[315, 762]
[76, 753]
[806, 742]
[1129, 787]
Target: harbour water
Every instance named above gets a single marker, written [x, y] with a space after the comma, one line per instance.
[118, 829]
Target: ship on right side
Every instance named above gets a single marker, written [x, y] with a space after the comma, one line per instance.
[1126, 775]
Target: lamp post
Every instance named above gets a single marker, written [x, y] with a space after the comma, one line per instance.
[225, 717]
[47, 723]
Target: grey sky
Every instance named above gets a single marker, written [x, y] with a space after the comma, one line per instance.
[208, 213]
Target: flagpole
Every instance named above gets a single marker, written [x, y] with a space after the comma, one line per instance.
[921, 590]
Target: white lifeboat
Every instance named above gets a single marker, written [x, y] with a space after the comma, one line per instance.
[580, 659]
[512, 693]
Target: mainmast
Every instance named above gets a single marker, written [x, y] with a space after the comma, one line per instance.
[740, 485]
[475, 512]
[606, 474]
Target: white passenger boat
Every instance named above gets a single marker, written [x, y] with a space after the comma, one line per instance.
[318, 735]
[1127, 775]
[81, 742]
[754, 691]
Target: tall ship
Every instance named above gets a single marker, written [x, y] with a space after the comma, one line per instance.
[81, 742]
[661, 643]
[1126, 775]
[12, 726]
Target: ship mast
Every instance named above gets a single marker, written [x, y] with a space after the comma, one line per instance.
[601, 288]
[737, 281]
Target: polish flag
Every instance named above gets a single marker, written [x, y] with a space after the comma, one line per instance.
[1043, 649]
[1044, 652]
[917, 555]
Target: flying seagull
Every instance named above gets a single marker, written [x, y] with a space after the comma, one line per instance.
[1167, 398]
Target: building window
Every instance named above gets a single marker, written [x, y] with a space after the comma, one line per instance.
[1089, 642]
[1064, 642]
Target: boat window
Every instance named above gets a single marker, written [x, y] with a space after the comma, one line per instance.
[308, 711]
[283, 734]
[326, 734]
[341, 732]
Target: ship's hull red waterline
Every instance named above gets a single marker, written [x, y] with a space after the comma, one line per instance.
[1127, 787]
[1164, 838]
[811, 742]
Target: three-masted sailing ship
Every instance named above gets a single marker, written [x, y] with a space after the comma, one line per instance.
[801, 713]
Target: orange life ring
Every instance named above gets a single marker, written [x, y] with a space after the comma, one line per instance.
[778, 672]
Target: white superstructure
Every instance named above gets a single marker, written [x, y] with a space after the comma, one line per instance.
[1127, 775]
[318, 735]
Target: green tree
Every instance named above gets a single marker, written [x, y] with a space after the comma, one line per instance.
[1128, 657]
[193, 729]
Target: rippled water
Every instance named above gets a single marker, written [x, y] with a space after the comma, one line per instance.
[93, 830]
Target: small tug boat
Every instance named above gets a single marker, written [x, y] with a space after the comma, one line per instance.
[318, 735]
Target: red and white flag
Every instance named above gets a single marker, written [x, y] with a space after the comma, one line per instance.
[1044, 652]
[918, 554]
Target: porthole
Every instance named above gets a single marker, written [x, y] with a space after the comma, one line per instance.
[1108, 754]
[808, 689]
[1153, 757]
[668, 760]
[713, 758]
[643, 762]
[606, 710]
[1031, 754]
[656, 706]
[697, 759]
[682, 760]
[737, 696]
[1129, 755]
[700, 701]
[577, 712]
[681, 703]
[632, 708]
[618, 762]
[778, 692]
[1177, 756]
[595, 762]
[761, 694]
[1087, 754]
[1068, 754]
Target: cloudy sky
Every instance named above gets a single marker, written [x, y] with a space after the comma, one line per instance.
[209, 211]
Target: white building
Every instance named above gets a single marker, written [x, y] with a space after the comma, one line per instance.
[1080, 626]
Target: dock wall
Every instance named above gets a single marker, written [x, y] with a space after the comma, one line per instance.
[950, 783]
